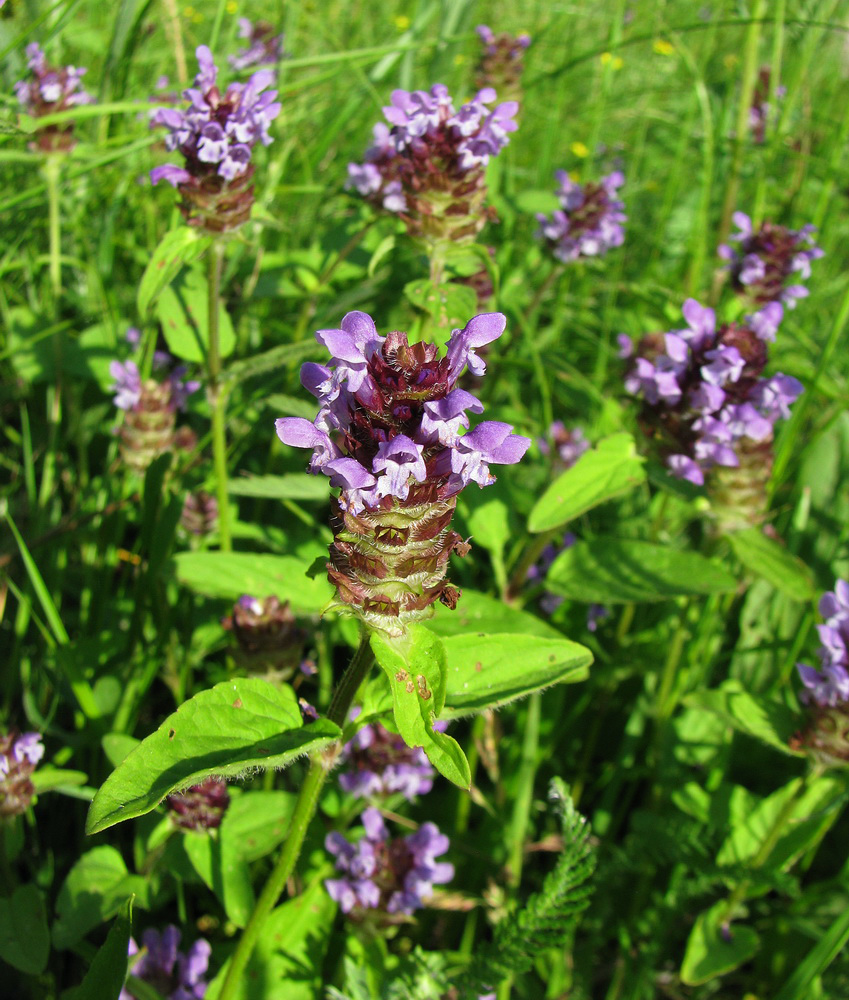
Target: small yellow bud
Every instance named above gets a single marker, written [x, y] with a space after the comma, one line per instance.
[579, 149]
[662, 47]
[402, 22]
[232, 7]
[609, 59]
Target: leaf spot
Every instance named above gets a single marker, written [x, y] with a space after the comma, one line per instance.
[552, 658]
[237, 703]
[424, 691]
[478, 666]
[401, 676]
[172, 733]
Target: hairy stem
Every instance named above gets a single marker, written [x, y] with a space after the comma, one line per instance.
[304, 808]
[52, 169]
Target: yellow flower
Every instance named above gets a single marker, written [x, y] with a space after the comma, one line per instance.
[608, 59]
[402, 22]
[662, 47]
[579, 149]
[232, 7]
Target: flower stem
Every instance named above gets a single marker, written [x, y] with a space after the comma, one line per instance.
[52, 167]
[216, 394]
[319, 768]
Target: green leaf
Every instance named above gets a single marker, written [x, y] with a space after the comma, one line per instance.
[811, 811]
[24, 935]
[49, 779]
[287, 961]
[449, 305]
[614, 571]
[176, 250]
[256, 822]
[764, 719]
[485, 671]
[478, 612]
[271, 360]
[766, 558]
[231, 574]
[711, 953]
[95, 890]
[234, 727]
[219, 863]
[610, 469]
[182, 309]
[532, 201]
[294, 486]
[415, 666]
[116, 746]
[108, 970]
[818, 959]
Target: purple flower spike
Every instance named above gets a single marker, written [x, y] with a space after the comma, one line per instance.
[829, 686]
[393, 875]
[703, 392]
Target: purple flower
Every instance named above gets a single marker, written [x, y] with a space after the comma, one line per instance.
[480, 330]
[27, 747]
[399, 460]
[829, 686]
[381, 763]
[395, 876]
[264, 46]
[127, 387]
[491, 441]
[589, 221]
[216, 134]
[176, 976]
[49, 90]
[703, 391]
[443, 418]
[761, 261]
[570, 444]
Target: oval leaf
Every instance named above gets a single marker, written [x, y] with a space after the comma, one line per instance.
[235, 726]
[611, 468]
[24, 937]
[176, 250]
[183, 310]
[613, 571]
[231, 574]
[712, 951]
[485, 671]
[478, 612]
[415, 666]
[766, 558]
[766, 720]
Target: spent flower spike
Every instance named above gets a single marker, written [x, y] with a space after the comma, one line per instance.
[393, 875]
[388, 435]
[589, 220]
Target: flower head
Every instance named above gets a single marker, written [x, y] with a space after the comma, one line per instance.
[175, 975]
[589, 221]
[395, 875]
[47, 91]
[388, 434]
[215, 136]
[19, 756]
[762, 261]
[427, 163]
[501, 62]
[201, 806]
[705, 396]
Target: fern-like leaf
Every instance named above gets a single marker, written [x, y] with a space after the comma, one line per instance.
[549, 916]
